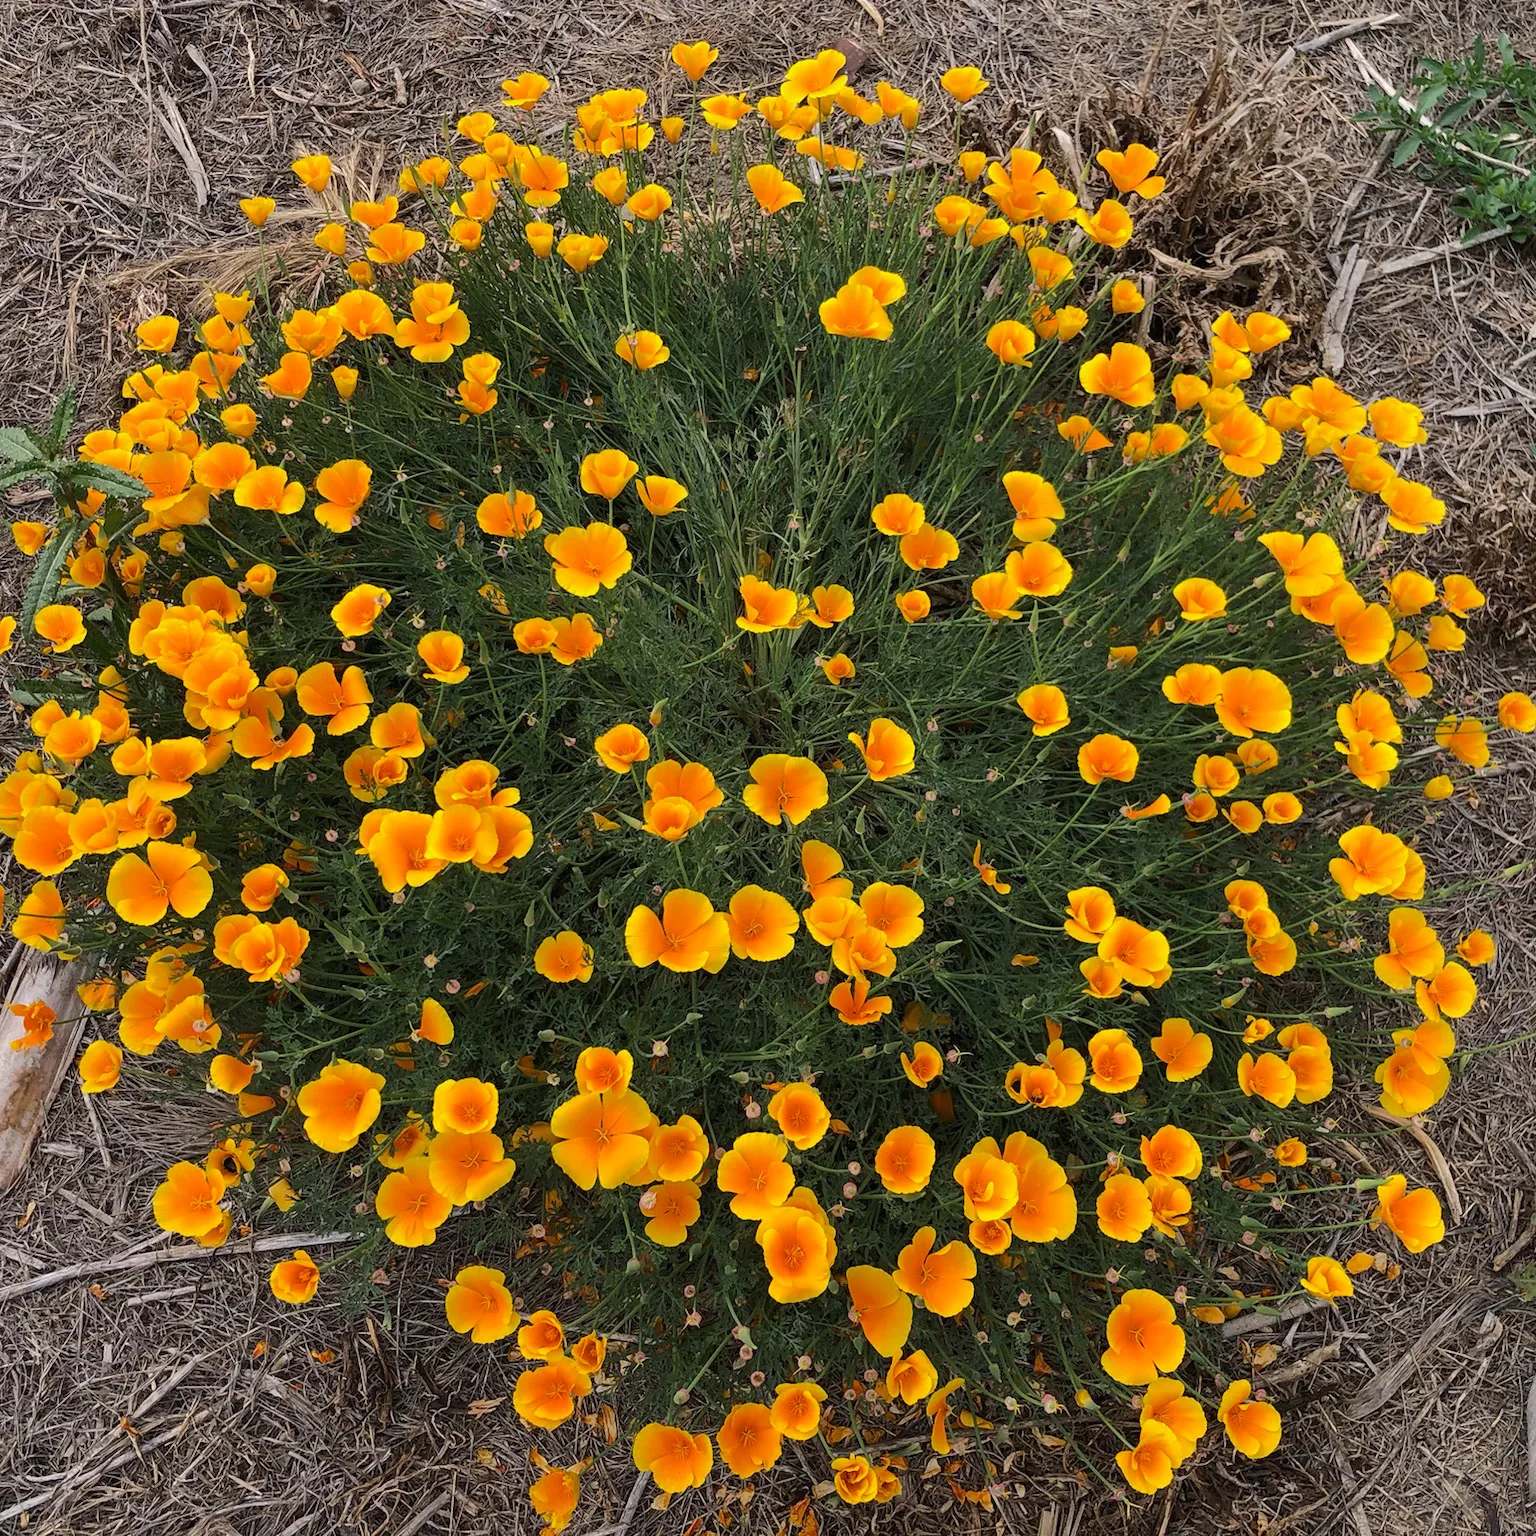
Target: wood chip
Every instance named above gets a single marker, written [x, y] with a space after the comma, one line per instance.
[29, 1079]
[1383, 1387]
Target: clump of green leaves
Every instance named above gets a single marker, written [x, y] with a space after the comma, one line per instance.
[1471, 125]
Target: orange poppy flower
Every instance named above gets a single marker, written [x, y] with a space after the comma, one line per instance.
[587, 559]
[544, 1397]
[796, 1410]
[295, 1280]
[1413, 1215]
[1124, 1208]
[356, 613]
[468, 1166]
[503, 516]
[889, 751]
[141, 890]
[878, 1303]
[748, 1442]
[855, 1004]
[854, 311]
[941, 1278]
[785, 786]
[762, 924]
[1124, 374]
[1144, 1340]
[1252, 1426]
[671, 1208]
[187, 1202]
[443, 653]
[796, 1253]
[606, 473]
[673, 1457]
[905, 1159]
[678, 1151]
[756, 1173]
[541, 1337]
[339, 1105]
[563, 957]
[688, 936]
[601, 1138]
[798, 1111]
[767, 607]
[1106, 756]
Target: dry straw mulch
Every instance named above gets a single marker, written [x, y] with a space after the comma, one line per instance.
[176, 1398]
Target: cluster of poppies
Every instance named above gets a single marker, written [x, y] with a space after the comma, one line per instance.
[196, 694]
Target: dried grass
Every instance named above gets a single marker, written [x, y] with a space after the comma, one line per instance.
[100, 227]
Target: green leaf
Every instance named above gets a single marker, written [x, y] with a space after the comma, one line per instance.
[19, 474]
[1428, 98]
[20, 446]
[106, 479]
[44, 584]
[63, 420]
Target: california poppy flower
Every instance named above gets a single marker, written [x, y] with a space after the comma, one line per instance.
[295, 1280]
[942, 1278]
[545, 1395]
[800, 1114]
[1124, 374]
[755, 1172]
[784, 786]
[1143, 1338]
[888, 752]
[599, 1138]
[795, 1253]
[673, 1457]
[689, 935]
[564, 957]
[854, 311]
[587, 559]
[187, 1201]
[905, 1160]
[748, 1442]
[339, 1105]
[881, 1308]
[670, 1208]
[1252, 1426]
[773, 190]
[141, 890]
[762, 924]
[767, 607]
[99, 1067]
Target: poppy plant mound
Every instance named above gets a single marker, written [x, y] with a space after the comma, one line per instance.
[713, 736]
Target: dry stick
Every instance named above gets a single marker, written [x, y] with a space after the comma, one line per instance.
[1358, 191]
[1514, 1250]
[1252, 1322]
[1530, 1446]
[1351, 29]
[420, 1518]
[1299, 1368]
[631, 1504]
[1219, 274]
[181, 139]
[121, 1264]
[1450, 248]
[83, 1479]
[1340, 304]
[1383, 1387]
[1432, 1152]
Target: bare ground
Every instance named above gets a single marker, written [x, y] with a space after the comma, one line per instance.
[177, 1398]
